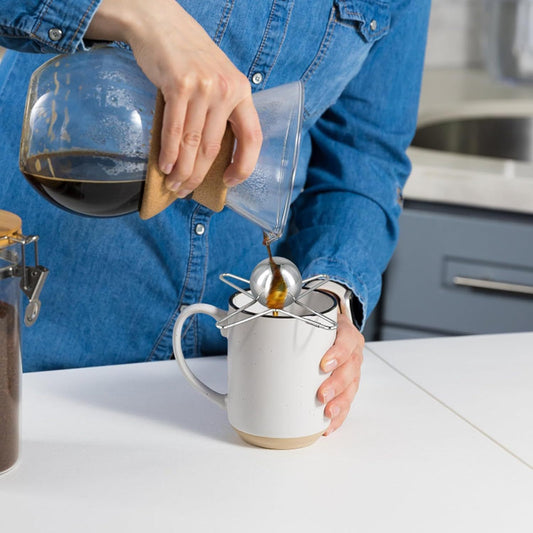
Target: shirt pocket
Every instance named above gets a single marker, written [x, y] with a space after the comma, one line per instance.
[369, 18]
[353, 28]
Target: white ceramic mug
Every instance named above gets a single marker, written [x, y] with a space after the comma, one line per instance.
[273, 370]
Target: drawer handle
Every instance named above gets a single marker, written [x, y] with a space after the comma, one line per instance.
[492, 285]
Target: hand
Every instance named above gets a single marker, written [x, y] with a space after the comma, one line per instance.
[202, 88]
[344, 361]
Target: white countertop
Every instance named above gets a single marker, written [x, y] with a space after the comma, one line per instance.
[135, 448]
[464, 179]
[487, 380]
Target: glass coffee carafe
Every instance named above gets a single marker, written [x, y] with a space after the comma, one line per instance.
[87, 132]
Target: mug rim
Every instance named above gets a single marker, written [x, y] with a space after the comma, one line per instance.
[331, 296]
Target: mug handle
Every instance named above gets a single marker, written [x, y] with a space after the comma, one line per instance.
[217, 314]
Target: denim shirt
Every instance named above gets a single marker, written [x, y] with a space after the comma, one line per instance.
[116, 285]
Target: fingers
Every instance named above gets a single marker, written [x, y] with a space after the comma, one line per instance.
[172, 129]
[192, 135]
[214, 129]
[343, 360]
[340, 381]
[347, 340]
[202, 88]
[247, 129]
[338, 410]
[183, 177]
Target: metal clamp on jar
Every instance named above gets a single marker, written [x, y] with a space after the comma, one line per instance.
[15, 274]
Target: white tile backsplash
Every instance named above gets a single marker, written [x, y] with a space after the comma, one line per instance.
[455, 33]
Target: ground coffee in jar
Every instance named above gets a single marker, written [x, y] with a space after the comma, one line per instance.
[15, 278]
[9, 385]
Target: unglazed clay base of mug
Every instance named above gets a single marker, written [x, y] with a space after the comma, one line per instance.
[278, 444]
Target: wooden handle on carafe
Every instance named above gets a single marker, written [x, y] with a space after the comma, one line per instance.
[211, 192]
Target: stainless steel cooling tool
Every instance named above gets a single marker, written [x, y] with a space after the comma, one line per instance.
[259, 286]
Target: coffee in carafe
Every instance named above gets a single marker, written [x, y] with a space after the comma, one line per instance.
[88, 183]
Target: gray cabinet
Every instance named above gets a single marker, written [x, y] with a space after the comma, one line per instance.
[458, 271]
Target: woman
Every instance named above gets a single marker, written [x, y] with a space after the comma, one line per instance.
[116, 285]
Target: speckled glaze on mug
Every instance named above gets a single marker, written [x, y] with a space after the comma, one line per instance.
[273, 371]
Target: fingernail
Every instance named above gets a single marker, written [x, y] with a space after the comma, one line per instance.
[329, 431]
[166, 169]
[173, 185]
[330, 365]
[328, 395]
[230, 182]
[183, 193]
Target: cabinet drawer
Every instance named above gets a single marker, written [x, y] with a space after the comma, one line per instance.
[459, 274]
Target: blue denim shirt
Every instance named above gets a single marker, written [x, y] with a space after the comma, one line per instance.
[116, 285]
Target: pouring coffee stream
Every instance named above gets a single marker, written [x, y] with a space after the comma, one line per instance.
[277, 292]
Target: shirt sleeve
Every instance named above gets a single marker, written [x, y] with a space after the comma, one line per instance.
[45, 26]
[345, 222]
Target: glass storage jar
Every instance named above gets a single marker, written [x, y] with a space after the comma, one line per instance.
[15, 276]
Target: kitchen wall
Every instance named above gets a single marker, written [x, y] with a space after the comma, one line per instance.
[455, 33]
[445, 277]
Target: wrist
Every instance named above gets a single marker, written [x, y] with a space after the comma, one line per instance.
[114, 20]
[346, 300]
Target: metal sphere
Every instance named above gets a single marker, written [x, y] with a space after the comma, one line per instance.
[262, 275]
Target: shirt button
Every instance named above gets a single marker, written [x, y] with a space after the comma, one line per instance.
[55, 34]
[257, 78]
[373, 25]
[199, 229]
[399, 196]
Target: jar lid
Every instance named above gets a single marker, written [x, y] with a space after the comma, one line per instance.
[10, 225]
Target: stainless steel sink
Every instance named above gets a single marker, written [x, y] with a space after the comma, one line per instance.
[500, 137]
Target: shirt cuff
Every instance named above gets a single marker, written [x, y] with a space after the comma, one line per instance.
[344, 277]
[62, 25]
